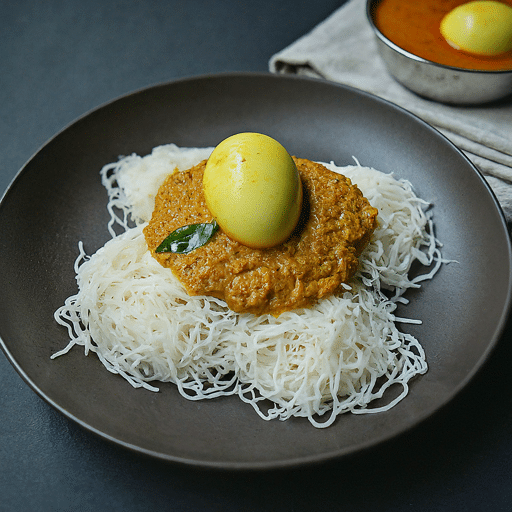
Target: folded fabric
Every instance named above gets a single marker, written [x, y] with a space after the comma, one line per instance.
[343, 49]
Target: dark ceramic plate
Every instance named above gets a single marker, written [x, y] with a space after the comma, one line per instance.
[57, 199]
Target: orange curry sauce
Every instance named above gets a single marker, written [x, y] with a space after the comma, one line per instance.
[336, 225]
[414, 27]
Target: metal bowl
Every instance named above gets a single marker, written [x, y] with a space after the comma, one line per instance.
[436, 81]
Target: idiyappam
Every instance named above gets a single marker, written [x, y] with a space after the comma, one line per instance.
[341, 355]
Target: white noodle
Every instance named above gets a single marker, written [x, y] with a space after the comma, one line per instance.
[338, 356]
[133, 181]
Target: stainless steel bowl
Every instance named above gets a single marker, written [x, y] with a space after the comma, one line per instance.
[436, 81]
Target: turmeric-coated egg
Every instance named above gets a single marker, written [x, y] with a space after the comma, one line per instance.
[481, 28]
[253, 189]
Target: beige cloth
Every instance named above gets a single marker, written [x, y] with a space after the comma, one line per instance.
[343, 49]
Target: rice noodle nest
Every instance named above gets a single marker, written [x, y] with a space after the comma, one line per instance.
[341, 355]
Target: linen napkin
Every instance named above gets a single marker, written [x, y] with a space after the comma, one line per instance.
[343, 49]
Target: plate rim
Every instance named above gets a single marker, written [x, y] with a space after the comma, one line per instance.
[300, 460]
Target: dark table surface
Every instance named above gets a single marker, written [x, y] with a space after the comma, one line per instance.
[58, 60]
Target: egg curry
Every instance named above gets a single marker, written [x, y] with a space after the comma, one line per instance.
[470, 35]
[323, 224]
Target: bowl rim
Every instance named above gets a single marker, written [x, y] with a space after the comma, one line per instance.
[370, 9]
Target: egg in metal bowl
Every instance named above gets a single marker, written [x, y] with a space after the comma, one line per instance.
[425, 75]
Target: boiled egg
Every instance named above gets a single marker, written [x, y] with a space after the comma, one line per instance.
[482, 28]
[253, 189]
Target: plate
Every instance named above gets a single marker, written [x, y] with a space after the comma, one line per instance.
[57, 199]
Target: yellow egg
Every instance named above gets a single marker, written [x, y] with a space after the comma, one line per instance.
[253, 189]
[481, 28]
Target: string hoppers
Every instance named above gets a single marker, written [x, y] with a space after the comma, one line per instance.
[335, 357]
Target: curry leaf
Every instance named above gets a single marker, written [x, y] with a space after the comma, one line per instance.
[188, 238]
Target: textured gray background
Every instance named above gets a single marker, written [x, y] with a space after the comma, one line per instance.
[59, 59]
